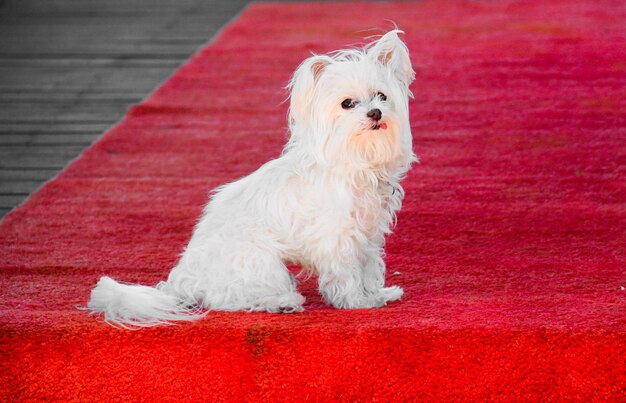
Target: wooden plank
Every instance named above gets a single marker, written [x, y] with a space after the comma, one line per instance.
[7, 175]
[115, 7]
[123, 31]
[47, 97]
[48, 139]
[38, 156]
[70, 68]
[65, 61]
[81, 117]
[30, 127]
[27, 50]
[92, 78]
[129, 25]
[70, 92]
[36, 120]
[59, 111]
[127, 34]
[18, 187]
[10, 201]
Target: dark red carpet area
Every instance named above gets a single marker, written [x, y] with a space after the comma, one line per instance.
[510, 244]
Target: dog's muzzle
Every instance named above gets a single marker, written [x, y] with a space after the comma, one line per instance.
[376, 115]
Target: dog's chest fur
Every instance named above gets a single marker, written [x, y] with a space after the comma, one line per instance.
[372, 207]
[337, 210]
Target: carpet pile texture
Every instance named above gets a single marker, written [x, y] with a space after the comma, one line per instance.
[510, 244]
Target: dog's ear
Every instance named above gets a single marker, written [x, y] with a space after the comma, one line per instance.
[302, 86]
[390, 51]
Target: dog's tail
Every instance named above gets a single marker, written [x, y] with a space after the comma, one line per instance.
[132, 306]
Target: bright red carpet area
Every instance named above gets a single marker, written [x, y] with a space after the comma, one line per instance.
[510, 244]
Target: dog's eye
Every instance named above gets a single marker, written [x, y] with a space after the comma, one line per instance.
[382, 96]
[348, 103]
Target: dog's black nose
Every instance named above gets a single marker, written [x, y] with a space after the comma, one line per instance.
[375, 114]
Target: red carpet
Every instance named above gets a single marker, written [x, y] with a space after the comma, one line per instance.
[510, 245]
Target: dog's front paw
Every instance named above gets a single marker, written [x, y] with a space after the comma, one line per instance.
[389, 294]
[370, 300]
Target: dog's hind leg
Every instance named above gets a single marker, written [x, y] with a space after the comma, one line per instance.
[251, 278]
[270, 287]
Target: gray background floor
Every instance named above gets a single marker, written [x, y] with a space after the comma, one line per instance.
[69, 69]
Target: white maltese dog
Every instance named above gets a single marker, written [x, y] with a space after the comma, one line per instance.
[326, 203]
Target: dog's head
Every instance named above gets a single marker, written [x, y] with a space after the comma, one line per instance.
[351, 107]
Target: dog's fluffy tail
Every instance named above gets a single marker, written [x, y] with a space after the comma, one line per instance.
[131, 306]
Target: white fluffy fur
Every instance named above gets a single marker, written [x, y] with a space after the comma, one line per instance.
[326, 203]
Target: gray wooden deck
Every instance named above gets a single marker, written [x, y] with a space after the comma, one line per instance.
[69, 69]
